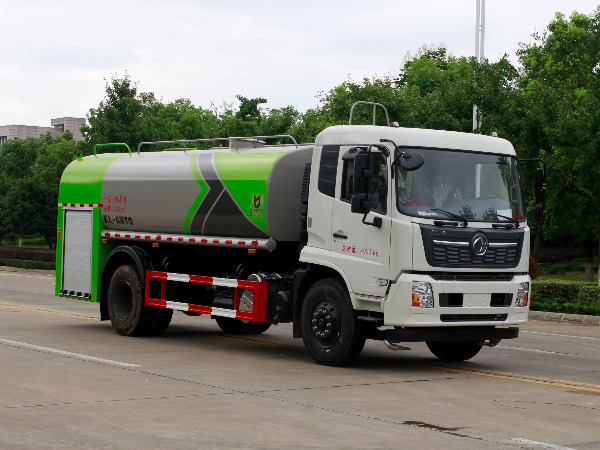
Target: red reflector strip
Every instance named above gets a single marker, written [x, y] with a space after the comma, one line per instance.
[267, 244]
[81, 205]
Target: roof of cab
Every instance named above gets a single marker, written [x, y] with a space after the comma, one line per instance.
[413, 137]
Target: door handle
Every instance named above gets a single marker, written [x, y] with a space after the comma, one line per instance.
[340, 236]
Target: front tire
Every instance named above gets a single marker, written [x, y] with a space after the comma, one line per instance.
[454, 351]
[330, 328]
[128, 314]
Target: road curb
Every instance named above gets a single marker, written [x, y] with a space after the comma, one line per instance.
[579, 319]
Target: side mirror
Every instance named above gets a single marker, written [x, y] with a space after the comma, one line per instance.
[540, 214]
[411, 161]
[359, 204]
[540, 186]
[362, 173]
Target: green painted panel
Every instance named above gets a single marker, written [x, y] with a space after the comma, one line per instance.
[82, 179]
[204, 189]
[245, 175]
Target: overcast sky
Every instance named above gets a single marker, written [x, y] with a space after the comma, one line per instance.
[54, 55]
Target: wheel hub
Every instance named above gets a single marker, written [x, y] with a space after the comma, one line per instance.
[325, 323]
[124, 301]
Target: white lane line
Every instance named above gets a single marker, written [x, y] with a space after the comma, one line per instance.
[536, 444]
[562, 335]
[64, 353]
[25, 276]
[541, 351]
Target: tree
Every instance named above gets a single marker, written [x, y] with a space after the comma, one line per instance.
[560, 95]
[16, 160]
[120, 116]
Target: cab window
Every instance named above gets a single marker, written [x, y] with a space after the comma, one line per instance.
[378, 185]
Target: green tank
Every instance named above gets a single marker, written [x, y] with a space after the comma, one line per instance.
[252, 193]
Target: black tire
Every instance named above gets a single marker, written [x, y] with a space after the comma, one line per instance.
[237, 326]
[161, 321]
[330, 328]
[454, 351]
[128, 314]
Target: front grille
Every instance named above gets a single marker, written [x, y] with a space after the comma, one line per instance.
[449, 276]
[446, 254]
[473, 317]
[453, 247]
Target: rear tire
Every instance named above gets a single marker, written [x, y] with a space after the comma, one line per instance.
[238, 326]
[128, 314]
[330, 328]
[454, 351]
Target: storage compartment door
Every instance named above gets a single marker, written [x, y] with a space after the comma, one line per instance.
[77, 253]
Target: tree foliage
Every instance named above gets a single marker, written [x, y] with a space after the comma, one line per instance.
[30, 172]
[560, 100]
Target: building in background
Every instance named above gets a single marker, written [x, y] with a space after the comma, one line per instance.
[59, 126]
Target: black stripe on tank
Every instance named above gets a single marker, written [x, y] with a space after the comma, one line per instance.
[219, 214]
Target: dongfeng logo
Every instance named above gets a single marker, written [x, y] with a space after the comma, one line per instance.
[479, 244]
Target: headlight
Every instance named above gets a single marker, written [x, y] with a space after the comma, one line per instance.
[422, 295]
[522, 295]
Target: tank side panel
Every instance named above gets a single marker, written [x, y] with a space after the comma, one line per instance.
[245, 176]
[220, 214]
[283, 194]
[81, 181]
[153, 192]
[187, 223]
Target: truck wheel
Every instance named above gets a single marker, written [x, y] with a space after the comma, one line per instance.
[237, 326]
[330, 328]
[454, 351]
[128, 314]
[160, 322]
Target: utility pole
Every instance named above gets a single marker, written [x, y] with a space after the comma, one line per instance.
[479, 38]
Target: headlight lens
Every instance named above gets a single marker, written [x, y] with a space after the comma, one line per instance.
[422, 295]
[522, 295]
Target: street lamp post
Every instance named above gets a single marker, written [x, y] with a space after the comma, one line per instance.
[479, 38]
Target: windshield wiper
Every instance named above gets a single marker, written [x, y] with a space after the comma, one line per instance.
[451, 214]
[510, 219]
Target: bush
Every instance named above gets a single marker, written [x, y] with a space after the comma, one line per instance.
[573, 265]
[570, 297]
[27, 264]
[31, 254]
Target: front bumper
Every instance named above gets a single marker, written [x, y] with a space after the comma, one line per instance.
[475, 309]
[451, 334]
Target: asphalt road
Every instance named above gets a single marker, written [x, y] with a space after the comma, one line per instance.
[68, 380]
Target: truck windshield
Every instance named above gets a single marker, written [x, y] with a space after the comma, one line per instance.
[451, 183]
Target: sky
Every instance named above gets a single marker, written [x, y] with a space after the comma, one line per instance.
[56, 55]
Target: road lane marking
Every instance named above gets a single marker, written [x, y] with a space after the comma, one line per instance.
[55, 351]
[526, 378]
[544, 351]
[562, 335]
[49, 311]
[536, 444]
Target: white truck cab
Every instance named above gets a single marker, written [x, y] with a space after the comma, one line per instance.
[440, 246]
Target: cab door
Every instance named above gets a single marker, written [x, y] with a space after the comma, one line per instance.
[362, 251]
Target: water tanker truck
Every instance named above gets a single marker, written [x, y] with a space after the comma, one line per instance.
[373, 232]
